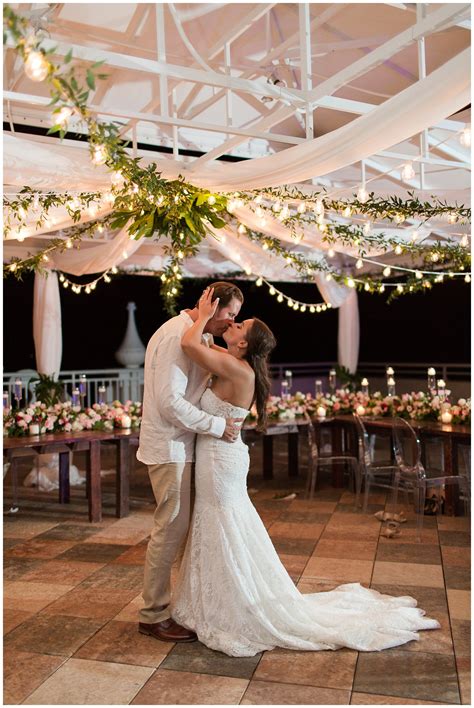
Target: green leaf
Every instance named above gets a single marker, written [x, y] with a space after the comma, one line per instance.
[90, 79]
[96, 64]
[189, 221]
[68, 57]
[54, 129]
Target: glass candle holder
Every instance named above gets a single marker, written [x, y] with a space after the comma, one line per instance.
[76, 397]
[289, 378]
[284, 389]
[82, 386]
[441, 389]
[318, 388]
[391, 386]
[432, 381]
[101, 395]
[6, 401]
[18, 391]
[332, 380]
[364, 387]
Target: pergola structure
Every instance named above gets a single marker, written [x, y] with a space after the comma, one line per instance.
[196, 86]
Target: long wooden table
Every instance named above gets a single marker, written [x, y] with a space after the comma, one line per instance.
[90, 441]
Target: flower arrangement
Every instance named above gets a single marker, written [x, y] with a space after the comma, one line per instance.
[65, 418]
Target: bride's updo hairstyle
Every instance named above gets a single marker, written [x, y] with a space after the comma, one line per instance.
[260, 342]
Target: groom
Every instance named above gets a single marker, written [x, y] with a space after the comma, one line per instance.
[171, 418]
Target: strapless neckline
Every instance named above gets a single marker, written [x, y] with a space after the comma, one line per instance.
[221, 400]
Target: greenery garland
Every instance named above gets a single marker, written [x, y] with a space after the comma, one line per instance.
[151, 205]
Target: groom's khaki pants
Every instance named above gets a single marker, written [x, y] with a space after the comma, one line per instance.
[171, 484]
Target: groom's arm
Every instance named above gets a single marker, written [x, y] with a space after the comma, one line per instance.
[170, 382]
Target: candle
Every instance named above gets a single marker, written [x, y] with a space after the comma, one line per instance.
[101, 391]
[365, 386]
[360, 410]
[446, 417]
[288, 373]
[441, 383]
[34, 429]
[431, 371]
[432, 381]
[321, 412]
[318, 388]
[390, 371]
[76, 394]
[332, 380]
[391, 386]
[126, 421]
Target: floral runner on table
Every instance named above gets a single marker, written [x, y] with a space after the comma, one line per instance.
[66, 417]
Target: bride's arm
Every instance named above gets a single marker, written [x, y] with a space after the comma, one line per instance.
[216, 360]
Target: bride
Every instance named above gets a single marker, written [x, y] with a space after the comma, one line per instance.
[232, 589]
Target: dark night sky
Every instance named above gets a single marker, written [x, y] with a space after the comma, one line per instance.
[431, 327]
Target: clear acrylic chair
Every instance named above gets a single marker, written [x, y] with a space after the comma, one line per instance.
[411, 475]
[315, 460]
[465, 474]
[380, 474]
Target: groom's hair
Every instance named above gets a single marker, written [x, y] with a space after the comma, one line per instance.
[225, 292]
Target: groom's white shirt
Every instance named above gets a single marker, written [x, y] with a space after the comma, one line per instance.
[173, 388]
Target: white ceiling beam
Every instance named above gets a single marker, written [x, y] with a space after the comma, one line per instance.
[174, 71]
[392, 176]
[426, 160]
[447, 13]
[305, 54]
[447, 149]
[273, 119]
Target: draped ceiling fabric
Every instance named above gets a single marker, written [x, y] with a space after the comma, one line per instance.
[50, 166]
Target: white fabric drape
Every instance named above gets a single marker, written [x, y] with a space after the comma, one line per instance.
[348, 333]
[47, 331]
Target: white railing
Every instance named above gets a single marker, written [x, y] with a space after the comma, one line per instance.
[120, 384]
[127, 384]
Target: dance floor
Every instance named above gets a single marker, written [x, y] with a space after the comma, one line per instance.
[72, 590]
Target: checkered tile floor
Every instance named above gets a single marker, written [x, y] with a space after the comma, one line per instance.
[72, 590]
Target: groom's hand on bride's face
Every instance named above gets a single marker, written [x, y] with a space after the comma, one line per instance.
[232, 429]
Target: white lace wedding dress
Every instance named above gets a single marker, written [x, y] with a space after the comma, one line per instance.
[233, 591]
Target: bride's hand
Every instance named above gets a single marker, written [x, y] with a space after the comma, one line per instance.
[206, 307]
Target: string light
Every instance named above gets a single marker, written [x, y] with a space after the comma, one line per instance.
[400, 288]
[331, 253]
[211, 199]
[465, 137]
[467, 278]
[241, 229]
[464, 241]
[117, 179]
[366, 228]
[258, 282]
[69, 243]
[387, 271]
[301, 208]
[36, 66]
[62, 116]
[418, 275]
[350, 283]
[99, 155]
[359, 263]
[398, 249]
[407, 171]
[347, 212]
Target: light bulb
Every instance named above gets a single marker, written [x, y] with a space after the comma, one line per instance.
[407, 171]
[312, 308]
[290, 303]
[106, 279]
[464, 241]
[231, 206]
[88, 289]
[324, 307]
[367, 287]
[69, 243]
[328, 277]
[359, 263]
[45, 257]
[210, 200]
[398, 249]
[259, 212]
[100, 229]
[467, 279]
[382, 289]
[99, 155]
[350, 283]
[114, 270]
[399, 218]
[21, 213]
[452, 218]
[331, 253]
[387, 271]
[272, 291]
[262, 222]
[248, 270]
[362, 194]
[303, 308]
[265, 246]
[117, 179]
[400, 288]
[301, 208]
[258, 199]
[367, 227]
[319, 207]
[62, 116]
[280, 298]
[347, 212]
[418, 275]
[258, 282]
[434, 257]
[174, 291]
[180, 254]
[465, 137]
[36, 66]
[276, 206]
[318, 308]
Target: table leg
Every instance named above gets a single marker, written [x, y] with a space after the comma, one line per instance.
[14, 462]
[122, 479]
[268, 457]
[93, 484]
[64, 477]
[293, 469]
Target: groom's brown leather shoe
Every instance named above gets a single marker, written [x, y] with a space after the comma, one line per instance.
[167, 631]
